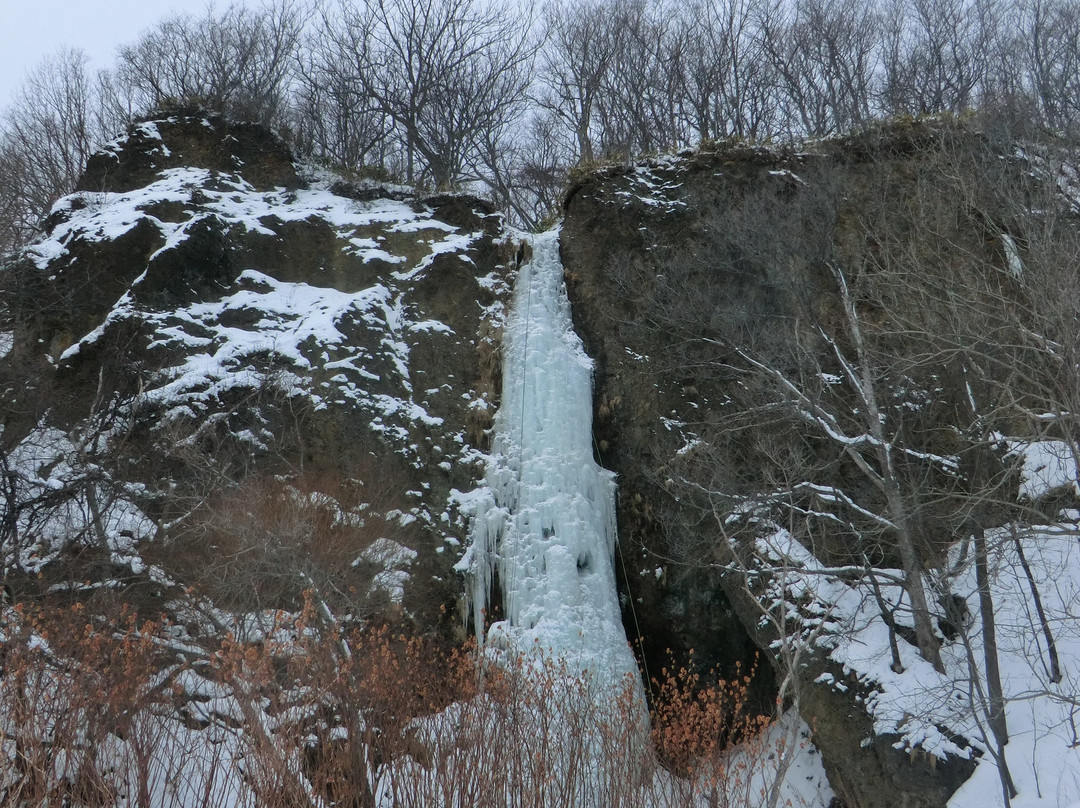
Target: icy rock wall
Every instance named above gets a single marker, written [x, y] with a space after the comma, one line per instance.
[546, 522]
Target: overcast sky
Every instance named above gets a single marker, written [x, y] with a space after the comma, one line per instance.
[33, 29]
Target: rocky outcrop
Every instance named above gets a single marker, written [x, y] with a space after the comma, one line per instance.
[208, 326]
[184, 137]
[699, 283]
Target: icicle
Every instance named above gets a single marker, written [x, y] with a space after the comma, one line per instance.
[548, 524]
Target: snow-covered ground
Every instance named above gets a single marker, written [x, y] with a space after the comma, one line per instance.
[947, 713]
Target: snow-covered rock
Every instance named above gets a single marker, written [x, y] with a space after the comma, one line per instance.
[203, 312]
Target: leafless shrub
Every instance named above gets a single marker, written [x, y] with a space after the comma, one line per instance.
[308, 714]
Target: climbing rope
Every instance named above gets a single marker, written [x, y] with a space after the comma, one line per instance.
[633, 609]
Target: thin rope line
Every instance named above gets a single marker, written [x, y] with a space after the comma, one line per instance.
[630, 597]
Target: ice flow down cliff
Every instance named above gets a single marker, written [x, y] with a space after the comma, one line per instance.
[545, 526]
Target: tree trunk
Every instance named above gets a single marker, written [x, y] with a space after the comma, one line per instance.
[990, 647]
[913, 582]
[1048, 636]
[861, 378]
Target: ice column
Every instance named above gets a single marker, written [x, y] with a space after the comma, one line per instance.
[547, 524]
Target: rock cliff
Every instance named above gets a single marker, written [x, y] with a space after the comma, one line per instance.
[803, 361]
[207, 338]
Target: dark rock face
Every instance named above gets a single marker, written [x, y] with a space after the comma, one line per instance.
[619, 237]
[240, 335]
[185, 137]
[678, 268]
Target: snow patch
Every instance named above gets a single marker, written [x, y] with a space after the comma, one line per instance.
[1045, 466]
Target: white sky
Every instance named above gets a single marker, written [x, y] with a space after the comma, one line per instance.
[32, 29]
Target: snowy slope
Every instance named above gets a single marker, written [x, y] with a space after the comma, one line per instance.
[926, 712]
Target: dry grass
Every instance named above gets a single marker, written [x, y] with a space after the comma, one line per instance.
[100, 712]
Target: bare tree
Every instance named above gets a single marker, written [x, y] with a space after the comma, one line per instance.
[1051, 40]
[824, 52]
[238, 61]
[726, 82]
[870, 442]
[451, 76]
[45, 137]
[539, 165]
[1002, 318]
[637, 107]
[582, 39]
[937, 54]
[18, 221]
[334, 118]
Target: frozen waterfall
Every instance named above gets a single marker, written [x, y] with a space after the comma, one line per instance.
[546, 524]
